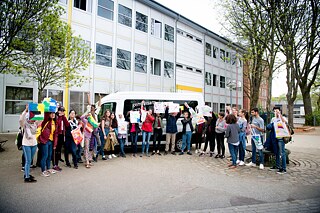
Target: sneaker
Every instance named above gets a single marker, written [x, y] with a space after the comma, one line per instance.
[22, 169]
[173, 153]
[68, 165]
[211, 154]
[201, 154]
[241, 163]
[52, 171]
[159, 153]
[124, 156]
[114, 156]
[57, 168]
[238, 161]
[153, 153]
[76, 167]
[110, 156]
[45, 174]
[29, 180]
[282, 171]
[181, 153]
[104, 158]
[222, 156]
[273, 168]
[165, 152]
[217, 156]
[189, 153]
[33, 166]
[134, 155]
[261, 166]
[251, 164]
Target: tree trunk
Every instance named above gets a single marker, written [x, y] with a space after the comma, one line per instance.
[307, 106]
[290, 112]
[269, 95]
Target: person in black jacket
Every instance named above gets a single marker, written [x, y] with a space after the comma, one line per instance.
[210, 134]
[171, 130]
[186, 133]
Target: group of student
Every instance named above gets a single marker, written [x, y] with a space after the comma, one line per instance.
[56, 131]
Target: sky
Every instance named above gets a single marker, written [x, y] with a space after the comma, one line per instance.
[209, 15]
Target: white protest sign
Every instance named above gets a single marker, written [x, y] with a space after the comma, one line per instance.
[159, 107]
[205, 111]
[143, 115]
[134, 117]
[174, 108]
[122, 127]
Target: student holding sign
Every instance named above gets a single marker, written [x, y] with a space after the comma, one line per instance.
[157, 133]
[134, 130]
[71, 146]
[171, 128]
[146, 130]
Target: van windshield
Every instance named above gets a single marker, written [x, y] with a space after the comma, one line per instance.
[110, 106]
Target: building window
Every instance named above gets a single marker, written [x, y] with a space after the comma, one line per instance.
[222, 55]
[140, 63]
[168, 33]
[105, 9]
[123, 59]
[155, 66]
[52, 93]
[83, 5]
[208, 49]
[208, 78]
[168, 69]
[233, 58]
[214, 80]
[214, 52]
[77, 102]
[227, 59]
[141, 22]
[156, 28]
[125, 15]
[222, 82]
[208, 104]
[222, 107]
[63, 1]
[103, 55]
[17, 98]
[214, 107]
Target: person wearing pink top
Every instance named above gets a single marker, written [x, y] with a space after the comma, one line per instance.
[87, 133]
[146, 130]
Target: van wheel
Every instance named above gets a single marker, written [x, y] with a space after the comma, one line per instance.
[179, 143]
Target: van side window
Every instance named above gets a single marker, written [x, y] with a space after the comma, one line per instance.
[130, 104]
[110, 106]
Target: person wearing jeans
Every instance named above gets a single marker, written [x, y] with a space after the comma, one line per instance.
[122, 133]
[257, 127]
[134, 132]
[242, 122]
[157, 134]
[48, 142]
[187, 129]
[171, 130]
[232, 135]
[29, 143]
[146, 130]
[105, 129]
[220, 130]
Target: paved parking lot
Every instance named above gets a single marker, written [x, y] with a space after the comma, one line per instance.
[166, 184]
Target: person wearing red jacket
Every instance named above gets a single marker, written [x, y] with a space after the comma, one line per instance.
[62, 125]
[146, 131]
[46, 140]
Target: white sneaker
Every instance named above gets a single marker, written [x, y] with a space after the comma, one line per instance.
[110, 156]
[52, 171]
[238, 161]
[261, 166]
[241, 163]
[114, 156]
[45, 174]
[196, 151]
[251, 164]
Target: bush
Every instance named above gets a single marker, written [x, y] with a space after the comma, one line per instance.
[313, 119]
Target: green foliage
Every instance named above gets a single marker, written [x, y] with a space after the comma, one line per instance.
[313, 119]
[18, 17]
[57, 56]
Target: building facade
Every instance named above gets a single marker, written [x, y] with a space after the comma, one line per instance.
[138, 45]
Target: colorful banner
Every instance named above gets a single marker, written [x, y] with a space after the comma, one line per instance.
[174, 108]
[159, 107]
[134, 117]
[50, 105]
[36, 112]
[93, 122]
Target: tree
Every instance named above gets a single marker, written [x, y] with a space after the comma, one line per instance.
[17, 16]
[250, 23]
[55, 57]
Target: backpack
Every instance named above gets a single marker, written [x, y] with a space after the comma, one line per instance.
[19, 138]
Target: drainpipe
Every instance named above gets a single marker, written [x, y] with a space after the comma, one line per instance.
[175, 53]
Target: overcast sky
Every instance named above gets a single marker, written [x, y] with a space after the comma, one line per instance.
[208, 14]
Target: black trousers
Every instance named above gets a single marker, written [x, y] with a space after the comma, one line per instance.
[211, 140]
[70, 147]
[198, 140]
[220, 143]
[157, 134]
[56, 156]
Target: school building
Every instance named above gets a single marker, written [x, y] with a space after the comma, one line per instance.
[139, 45]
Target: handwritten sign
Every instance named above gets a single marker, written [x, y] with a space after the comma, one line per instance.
[159, 107]
[143, 115]
[134, 117]
[36, 112]
[281, 129]
[205, 111]
[174, 108]
[122, 127]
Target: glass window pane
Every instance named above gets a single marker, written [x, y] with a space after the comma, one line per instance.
[123, 54]
[104, 60]
[77, 102]
[208, 49]
[141, 18]
[141, 68]
[124, 20]
[169, 33]
[168, 69]
[107, 4]
[141, 26]
[103, 12]
[19, 93]
[125, 11]
[141, 58]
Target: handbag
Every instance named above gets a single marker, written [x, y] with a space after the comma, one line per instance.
[256, 139]
[39, 131]
[77, 135]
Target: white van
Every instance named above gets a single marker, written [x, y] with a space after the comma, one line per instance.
[123, 102]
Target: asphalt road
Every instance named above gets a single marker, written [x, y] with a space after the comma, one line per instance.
[162, 184]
